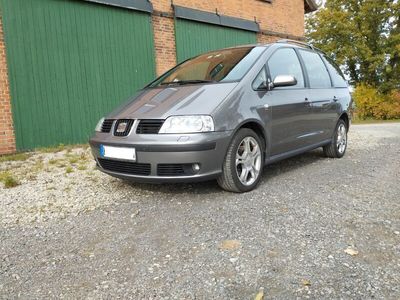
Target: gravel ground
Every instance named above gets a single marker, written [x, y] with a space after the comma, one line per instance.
[314, 228]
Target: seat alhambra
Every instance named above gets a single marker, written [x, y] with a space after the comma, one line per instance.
[225, 114]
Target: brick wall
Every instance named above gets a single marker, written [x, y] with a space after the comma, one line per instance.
[164, 43]
[283, 16]
[279, 19]
[7, 138]
[265, 39]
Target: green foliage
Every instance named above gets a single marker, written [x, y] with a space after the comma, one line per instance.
[15, 157]
[363, 36]
[82, 167]
[53, 161]
[371, 103]
[74, 159]
[54, 149]
[61, 147]
[8, 180]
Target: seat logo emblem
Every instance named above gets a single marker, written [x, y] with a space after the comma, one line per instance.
[122, 127]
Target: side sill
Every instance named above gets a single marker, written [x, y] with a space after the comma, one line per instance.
[288, 154]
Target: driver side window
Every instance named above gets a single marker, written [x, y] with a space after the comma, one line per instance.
[285, 62]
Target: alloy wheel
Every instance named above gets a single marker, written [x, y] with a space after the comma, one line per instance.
[248, 161]
[341, 141]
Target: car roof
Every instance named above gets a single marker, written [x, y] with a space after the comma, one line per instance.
[283, 42]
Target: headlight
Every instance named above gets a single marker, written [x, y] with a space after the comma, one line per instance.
[98, 126]
[187, 124]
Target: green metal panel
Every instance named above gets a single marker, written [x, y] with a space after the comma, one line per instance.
[70, 62]
[193, 38]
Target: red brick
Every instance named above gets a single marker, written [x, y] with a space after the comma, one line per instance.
[283, 16]
[7, 138]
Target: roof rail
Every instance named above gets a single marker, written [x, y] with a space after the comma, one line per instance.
[287, 41]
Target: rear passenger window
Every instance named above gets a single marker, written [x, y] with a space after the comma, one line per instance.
[316, 70]
[285, 62]
[336, 73]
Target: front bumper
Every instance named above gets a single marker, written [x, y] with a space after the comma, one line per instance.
[156, 150]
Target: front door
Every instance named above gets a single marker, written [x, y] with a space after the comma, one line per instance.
[290, 106]
[290, 119]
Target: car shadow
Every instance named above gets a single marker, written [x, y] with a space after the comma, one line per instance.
[291, 164]
[211, 187]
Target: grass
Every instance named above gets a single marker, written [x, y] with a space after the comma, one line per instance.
[70, 159]
[60, 147]
[373, 121]
[53, 161]
[15, 157]
[37, 167]
[53, 149]
[74, 159]
[8, 180]
[69, 169]
[82, 167]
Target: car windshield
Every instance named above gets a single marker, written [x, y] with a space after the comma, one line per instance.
[217, 66]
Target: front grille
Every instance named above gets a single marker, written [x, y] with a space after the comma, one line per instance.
[174, 169]
[128, 125]
[106, 126]
[125, 167]
[149, 126]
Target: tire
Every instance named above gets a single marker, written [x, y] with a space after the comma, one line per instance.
[251, 162]
[337, 148]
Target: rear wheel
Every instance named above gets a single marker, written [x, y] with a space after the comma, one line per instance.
[337, 148]
[244, 162]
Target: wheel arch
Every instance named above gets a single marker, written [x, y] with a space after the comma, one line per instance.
[258, 128]
[345, 117]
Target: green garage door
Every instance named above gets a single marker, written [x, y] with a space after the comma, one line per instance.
[70, 62]
[193, 38]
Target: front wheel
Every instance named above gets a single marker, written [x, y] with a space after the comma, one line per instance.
[338, 146]
[244, 162]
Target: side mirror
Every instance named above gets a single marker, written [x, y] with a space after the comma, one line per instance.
[264, 86]
[284, 80]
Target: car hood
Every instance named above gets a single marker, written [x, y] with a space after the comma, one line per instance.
[160, 103]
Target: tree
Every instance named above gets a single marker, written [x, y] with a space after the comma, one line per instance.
[363, 36]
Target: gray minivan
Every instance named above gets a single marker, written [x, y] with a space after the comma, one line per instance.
[225, 114]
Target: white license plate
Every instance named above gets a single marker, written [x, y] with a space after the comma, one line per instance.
[118, 152]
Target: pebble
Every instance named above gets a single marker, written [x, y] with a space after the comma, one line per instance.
[85, 239]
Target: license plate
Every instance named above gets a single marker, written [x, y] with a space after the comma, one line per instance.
[118, 152]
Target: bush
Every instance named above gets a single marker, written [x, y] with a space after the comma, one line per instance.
[370, 103]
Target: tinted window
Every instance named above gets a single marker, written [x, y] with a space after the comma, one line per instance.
[316, 70]
[285, 62]
[336, 73]
[217, 66]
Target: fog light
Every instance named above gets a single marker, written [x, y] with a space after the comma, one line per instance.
[196, 167]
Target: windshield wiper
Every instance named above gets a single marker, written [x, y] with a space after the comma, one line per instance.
[183, 82]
